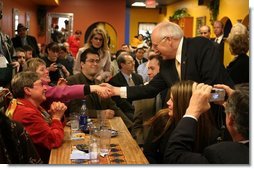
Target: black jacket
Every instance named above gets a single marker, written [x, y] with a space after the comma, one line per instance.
[179, 148]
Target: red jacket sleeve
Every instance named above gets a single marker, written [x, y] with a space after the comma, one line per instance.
[42, 133]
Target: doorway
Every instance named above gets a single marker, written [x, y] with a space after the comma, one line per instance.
[64, 21]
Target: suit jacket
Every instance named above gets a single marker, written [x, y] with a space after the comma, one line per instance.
[179, 148]
[220, 46]
[144, 110]
[200, 63]
[93, 102]
[30, 40]
[238, 69]
[137, 64]
[125, 104]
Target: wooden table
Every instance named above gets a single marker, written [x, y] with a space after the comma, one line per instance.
[130, 149]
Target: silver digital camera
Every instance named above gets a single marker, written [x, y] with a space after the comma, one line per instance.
[217, 95]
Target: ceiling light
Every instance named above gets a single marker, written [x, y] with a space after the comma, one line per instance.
[140, 4]
[151, 3]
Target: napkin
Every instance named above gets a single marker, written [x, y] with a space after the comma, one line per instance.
[79, 155]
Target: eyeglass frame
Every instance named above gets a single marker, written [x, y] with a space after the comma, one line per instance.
[98, 39]
[93, 61]
[155, 46]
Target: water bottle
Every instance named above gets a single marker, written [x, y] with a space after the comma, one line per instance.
[83, 117]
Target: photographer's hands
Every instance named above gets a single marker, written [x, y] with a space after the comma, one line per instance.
[228, 90]
[199, 102]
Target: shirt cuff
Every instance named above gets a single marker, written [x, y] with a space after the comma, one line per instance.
[123, 92]
[190, 116]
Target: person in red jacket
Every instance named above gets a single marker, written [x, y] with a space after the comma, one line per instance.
[74, 42]
[45, 129]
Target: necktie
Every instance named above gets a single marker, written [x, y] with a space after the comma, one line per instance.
[178, 68]
[216, 40]
[130, 82]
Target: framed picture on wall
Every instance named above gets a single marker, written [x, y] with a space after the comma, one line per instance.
[200, 21]
[145, 27]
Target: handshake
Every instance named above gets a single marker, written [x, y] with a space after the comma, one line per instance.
[105, 90]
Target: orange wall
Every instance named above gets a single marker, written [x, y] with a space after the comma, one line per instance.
[87, 12]
[23, 6]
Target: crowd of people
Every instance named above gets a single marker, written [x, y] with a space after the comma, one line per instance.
[162, 92]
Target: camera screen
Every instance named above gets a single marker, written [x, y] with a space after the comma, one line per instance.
[217, 95]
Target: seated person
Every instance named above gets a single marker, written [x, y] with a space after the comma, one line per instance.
[165, 121]
[45, 130]
[180, 145]
[89, 62]
[146, 108]
[16, 145]
[126, 77]
[61, 92]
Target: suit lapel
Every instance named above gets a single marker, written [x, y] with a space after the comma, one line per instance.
[184, 59]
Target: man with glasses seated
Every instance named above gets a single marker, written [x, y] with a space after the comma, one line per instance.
[89, 62]
[126, 77]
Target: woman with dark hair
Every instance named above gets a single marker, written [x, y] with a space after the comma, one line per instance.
[16, 147]
[98, 41]
[165, 121]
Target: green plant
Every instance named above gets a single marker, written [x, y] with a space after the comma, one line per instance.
[180, 13]
[213, 6]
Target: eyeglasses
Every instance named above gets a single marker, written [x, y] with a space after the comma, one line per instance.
[98, 39]
[203, 33]
[93, 60]
[20, 56]
[156, 45]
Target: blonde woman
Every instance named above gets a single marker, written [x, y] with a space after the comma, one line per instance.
[98, 41]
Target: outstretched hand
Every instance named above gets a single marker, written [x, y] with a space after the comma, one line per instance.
[102, 91]
[115, 91]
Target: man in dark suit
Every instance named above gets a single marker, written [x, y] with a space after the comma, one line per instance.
[139, 57]
[126, 77]
[180, 144]
[194, 59]
[218, 29]
[89, 67]
[23, 39]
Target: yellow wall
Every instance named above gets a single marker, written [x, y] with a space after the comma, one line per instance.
[141, 15]
[233, 9]
[192, 8]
